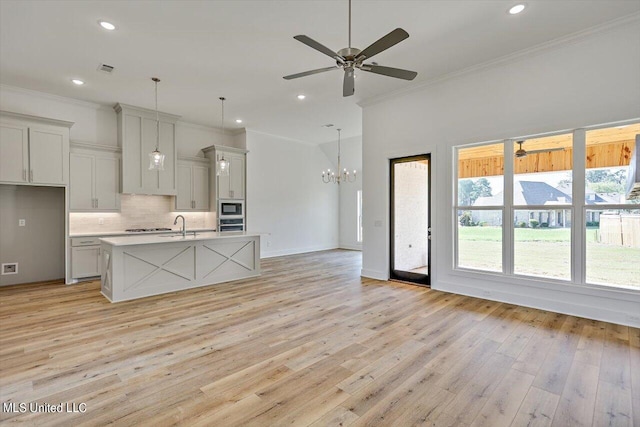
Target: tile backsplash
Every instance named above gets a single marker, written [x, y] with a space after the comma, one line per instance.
[138, 211]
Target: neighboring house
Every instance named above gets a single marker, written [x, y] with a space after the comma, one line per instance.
[536, 193]
[529, 193]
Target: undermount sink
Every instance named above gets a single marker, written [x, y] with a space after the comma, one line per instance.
[179, 236]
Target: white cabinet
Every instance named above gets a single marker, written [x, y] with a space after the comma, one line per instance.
[34, 150]
[233, 185]
[94, 178]
[193, 185]
[137, 133]
[85, 257]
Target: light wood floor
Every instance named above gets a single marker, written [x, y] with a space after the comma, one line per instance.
[311, 343]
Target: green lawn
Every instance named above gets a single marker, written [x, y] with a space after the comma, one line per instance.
[547, 252]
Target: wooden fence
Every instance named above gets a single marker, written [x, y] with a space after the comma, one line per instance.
[620, 230]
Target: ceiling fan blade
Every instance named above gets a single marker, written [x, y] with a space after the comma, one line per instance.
[319, 47]
[548, 150]
[384, 43]
[348, 86]
[308, 73]
[389, 71]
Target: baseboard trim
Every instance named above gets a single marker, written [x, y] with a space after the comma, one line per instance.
[556, 306]
[295, 251]
[374, 274]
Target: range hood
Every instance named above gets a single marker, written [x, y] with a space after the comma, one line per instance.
[633, 173]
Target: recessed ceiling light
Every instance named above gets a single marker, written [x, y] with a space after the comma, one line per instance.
[238, 120]
[77, 82]
[516, 9]
[301, 96]
[107, 25]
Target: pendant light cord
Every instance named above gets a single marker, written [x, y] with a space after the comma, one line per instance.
[222, 99]
[156, 80]
[339, 172]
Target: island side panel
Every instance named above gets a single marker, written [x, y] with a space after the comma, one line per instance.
[137, 271]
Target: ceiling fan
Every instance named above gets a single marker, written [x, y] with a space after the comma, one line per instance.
[521, 152]
[350, 58]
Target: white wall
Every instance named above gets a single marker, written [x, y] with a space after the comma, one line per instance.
[286, 197]
[351, 158]
[586, 81]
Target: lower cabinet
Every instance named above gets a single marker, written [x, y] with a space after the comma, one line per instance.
[85, 257]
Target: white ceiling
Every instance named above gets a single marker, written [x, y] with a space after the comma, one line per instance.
[241, 49]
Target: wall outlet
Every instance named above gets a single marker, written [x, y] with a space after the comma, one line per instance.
[10, 268]
[22, 222]
[100, 221]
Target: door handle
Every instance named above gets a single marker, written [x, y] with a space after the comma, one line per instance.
[429, 233]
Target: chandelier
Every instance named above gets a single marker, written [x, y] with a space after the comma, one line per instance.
[156, 158]
[330, 177]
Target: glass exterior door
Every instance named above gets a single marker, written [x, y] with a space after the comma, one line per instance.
[410, 219]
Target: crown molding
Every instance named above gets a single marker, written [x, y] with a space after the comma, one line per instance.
[214, 129]
[46, 120]
[90, 146]
[64, 99]
[192, 159]
[576, 37]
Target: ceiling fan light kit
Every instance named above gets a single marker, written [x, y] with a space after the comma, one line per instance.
[350, 58]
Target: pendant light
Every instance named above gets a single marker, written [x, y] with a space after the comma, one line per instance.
[222, 167]
[156, 158]
[344, 176]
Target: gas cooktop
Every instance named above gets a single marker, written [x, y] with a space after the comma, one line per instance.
[140, 230]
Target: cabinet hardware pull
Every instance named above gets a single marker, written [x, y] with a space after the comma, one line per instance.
[96, 202]
[87, 241]
[31, 175]
[24, 174]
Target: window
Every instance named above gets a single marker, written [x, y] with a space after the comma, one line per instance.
[529, 230]
[479, 210]
[542, 190]
[612, 233]
[359, 218]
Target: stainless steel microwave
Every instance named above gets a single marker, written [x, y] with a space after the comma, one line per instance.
[229, 209]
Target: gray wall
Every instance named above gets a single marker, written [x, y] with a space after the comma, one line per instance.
[38, 247]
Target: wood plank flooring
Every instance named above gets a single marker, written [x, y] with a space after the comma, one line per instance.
[310, 343]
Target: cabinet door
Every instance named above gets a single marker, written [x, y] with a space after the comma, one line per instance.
[47, 152]
[183, 198]
[107, 183]
[85, 262]
[236, 175]
[224, 181]
[14, 153]
[81, 186]
[200, 189]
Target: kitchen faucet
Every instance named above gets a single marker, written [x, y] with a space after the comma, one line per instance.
[184, 226]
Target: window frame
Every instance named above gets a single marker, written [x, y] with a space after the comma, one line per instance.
[578, 211]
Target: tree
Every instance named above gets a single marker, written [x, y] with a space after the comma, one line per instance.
[606, 180]
[469, 190]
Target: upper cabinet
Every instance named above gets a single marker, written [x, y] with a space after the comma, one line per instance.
[233, 185]
[94, 178]
[193, 185]
[33, 150]
[137, 138]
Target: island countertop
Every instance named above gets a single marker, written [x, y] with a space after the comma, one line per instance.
[149, 239]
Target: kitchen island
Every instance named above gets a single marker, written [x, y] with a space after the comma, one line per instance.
[141, 266]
